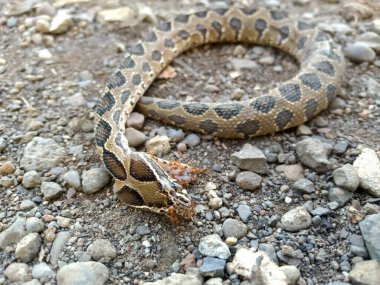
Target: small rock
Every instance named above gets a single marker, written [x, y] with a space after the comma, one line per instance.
[269, 250]
[313, 153]
[44, 54]
[95, 179]
[63, 222]
[305, 186]
[77, 100]
[212, 245]
[250, 158]
[346, 177]
[27, 205]
[158, 145]
[61, 22]
[320, 211]
[188, 261]
[17, 272]
[72, 178]
[340, 195]
[136, 120]
[370, 229]
[292, 172]
[58, 246]
[296, 219]
[51, 190]
[212, 267]
[248, 180]
[28, 247]
[42, 25]
[31, 179]
[102, 249]
[84, 273]
[135, 138]
[303, 130]
[234, 228]
[121, 14]
[34, 225]
[191, 140]
[13, 233]
[292, 273]
[358, 246]
[243, 63]
[42, 271]
[367, 165]
[244, 212]
[7, 168]
[359, 52]
[3, 144]
[177, 278]
[366, 273]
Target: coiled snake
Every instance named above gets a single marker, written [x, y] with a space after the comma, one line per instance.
[140, 180]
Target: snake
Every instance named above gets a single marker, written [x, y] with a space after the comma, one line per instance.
[141, 179]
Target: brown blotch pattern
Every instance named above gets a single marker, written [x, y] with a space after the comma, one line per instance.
[228, 111]
[105, 103]
[130, 196]
[117, 80]
[114, 165]
[325, 67]
[102, 133]
[137, 49]
[290, 92]
[311, 80]
[283, 118]
[263, 104]
[177, 120]
[248, 128]
[139, 170]
[196, 109]
[208, 126]
[310, 108]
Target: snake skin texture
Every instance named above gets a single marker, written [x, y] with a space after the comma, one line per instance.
[140, 180]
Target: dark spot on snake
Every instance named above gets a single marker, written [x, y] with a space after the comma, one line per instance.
[221, 11]
[139, 170]
[290, 92]
[196, 109]
[208, 126]
[169, 43]
[116, 116]
[167, 104]
[200, 28]
[114, 165]
[330, 93]
[278, 15]
[177, 120]
[235, 24]
[217, 27]
[105, 103]
[264, 104]
[311, 80]
[102, 133]
[331, 54]
[124, 95]
[182, 18]
[118, 141]
[248, 128]
[249, 11]
[301, 42]
[284, 32]
[183, 34]
[283, 118]
[117, 80]
[136, 79]
[325, 67]
[310, 108]
[165, 26]
[156, 55]
[146, 100]
[228, 111]
[321, 37]
[137, 49]
[302, 26]
[130, 196]
[151, 37]
[146, 67]
[201, 14]
[128, 62]
[260, 26]
[152, 113]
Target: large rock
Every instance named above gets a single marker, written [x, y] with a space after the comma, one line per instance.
[370, 228]
[18, 272]
[250, 158]
[83, 273]
[13, 233]
[28, 247]
[366, 273]
[368, 166]
[314, 154]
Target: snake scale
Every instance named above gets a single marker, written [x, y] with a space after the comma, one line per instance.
[140, 180]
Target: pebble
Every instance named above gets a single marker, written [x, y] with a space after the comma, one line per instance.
[84, 273]
[158, 145]
[34, 225]
[303, 130]
[234, 228]
[95, 179]
[370, 229]
[191, 140]
[360, 273]
[212, 245]
[17, 272]
[340, 195]
[102, 249]
[135, 138]
[121, 14]
[72, 178]
[63, 222]
[346, 177]
[28, 247]
[178, 278]
[31, 179]
[305, 186]
[44, 54]
[212, 267]
[292, 273]
[340, 147]
[359, 52]
[333, 28]
[3, 144]
[42, 154]
[243, 63]
[313, 153]
[250, 158]
[42, 25]
[358, 246]
[244, 212]
[7, 168]
[58, 246]
[76, 100]
[296, 219]
[136, 120]
[248, 180]
[26, 205]
[42, 271]
[269, 250]
[188, 261]
[61, 22]
[292, 172]
[51, 190]
[370, 39]
[367, 165]
[14, 233]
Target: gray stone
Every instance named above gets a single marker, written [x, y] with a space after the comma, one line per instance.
[242, 63]
[250, 158]
[61, 22]
[191, 140]
[358, 246]
[366, 273]
[320, 211]
[234, 228]
[212, 267]
[42, 271]
[214, 281]
[135, 138]
[136, 120]
[143, 230]
[32, 282]
[51, 190]
[345, 266]
[244, 212]
[14, 233]
[370, 229]
[83, 273]
[370, 39]
[102, 249]
[26, 205]
[367, 165]
[359, 52]
[292, 172]
[31, 179]
[58, 246]
[158, 145]
[95, 179]
[34, 225]
[3, 144]
[248, 180]
[296, 219]
[340, 195]
[346, 177]
[304, 185]
[269, 250]
[72, 178]
[28, 247]
[292, 273]
[340, 147]
[42, 154]
[17, 272]
[212, 245]
[178, 278]
[314, 154]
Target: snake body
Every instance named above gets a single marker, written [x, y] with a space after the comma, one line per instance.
[140, 180]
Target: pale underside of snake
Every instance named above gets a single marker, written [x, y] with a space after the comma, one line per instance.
[140, 180]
